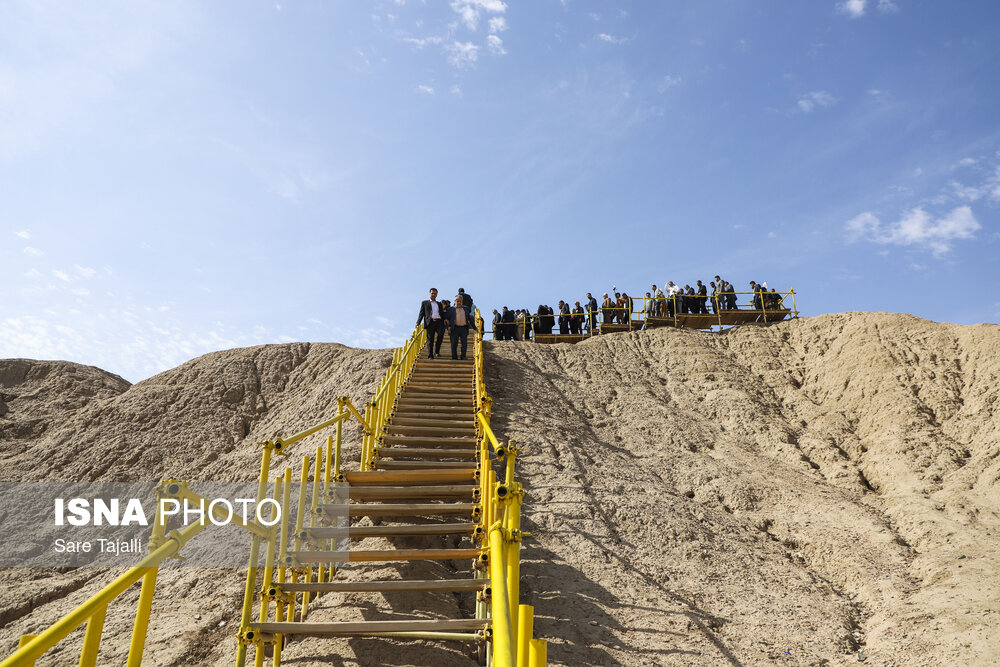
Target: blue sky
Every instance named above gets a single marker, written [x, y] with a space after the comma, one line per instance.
[177, 178]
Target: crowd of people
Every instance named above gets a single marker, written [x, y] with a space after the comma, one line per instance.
[668, 301]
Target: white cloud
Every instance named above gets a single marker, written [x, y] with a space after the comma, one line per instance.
[24, 234]
[887, 6]
[915, 228]
[28, 250]
[469, 10]
[32, 273]
[421, 42]
[853, 8]
[424, 89]
[668, 82]
[497, 24]
[966, 162]
[61, 275]
[463, 54]
[85, 271]
[818, 98]
[456, 90]
[611, 39]
[496, 45]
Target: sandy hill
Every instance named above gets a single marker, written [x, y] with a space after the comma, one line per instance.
[821, 491]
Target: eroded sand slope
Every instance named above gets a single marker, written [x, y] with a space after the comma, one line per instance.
[815, 492]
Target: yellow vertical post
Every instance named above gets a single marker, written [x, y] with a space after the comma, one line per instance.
[491, 494]
[313, 506]
[146, 592]
[265, 604]
[503, 639]
[525, 623]
[537, 653]
[248, 592]
[92, 637]
[25, 639]
[513, 555]
[369, 454]
[279, 604]
[336, 451]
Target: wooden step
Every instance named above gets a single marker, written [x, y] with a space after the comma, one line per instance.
[370, 627]
[361, 532]
[433, 431]
[418, 453]
[401, 509]
[431, 410]
[397, 492]
[406, 440]
[384, 555]
[417, 477]
[458, 421]
[385, 464]
[389, 586]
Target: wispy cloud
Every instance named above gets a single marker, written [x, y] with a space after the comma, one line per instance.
[463, 54]
[456, 90]
[35, 252]
[496, 45]
[61, 275]
[917, 227]
[425, 89]
[818, 98]
[497, 24]
[24, 234]
[85, 271]
[611, 39]
[668, 82]
[856, 8]
[853, 8]
[469, 11]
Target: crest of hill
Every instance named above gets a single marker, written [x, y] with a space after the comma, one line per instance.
[815, 491]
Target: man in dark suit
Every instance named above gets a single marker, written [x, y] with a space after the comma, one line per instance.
[563, 317]
[702, 298]
[432, 314]
[459, 322]
[466, 299]
[508, 324]
[497, 325]
[591, 312]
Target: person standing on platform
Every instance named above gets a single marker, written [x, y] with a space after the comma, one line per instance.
[508, 324]
[459, 323]
[576, 321]
[650, 309]
[608, 309]
[715, 297]
[432, 314]
[591, 313]
[659, 302]
[563, 317]
[730, 295]
[702, 298]
[672, 298]
[497, 325]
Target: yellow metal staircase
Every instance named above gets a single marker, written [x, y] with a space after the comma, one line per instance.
[425, 477]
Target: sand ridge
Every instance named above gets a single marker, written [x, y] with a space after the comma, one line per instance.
[820, 491]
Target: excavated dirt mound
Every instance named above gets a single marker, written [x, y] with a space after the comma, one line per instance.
[821, 491]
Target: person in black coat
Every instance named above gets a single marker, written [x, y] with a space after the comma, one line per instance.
[508, 324]
[591, 312]
[497, 325]
[432, 314]
[563, 317]
[702, 298]
[466, 299]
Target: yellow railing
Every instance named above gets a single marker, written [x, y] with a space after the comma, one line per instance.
[324, 469]
[499, 536]
[378, 411]
[773, 305]
[513, 643]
